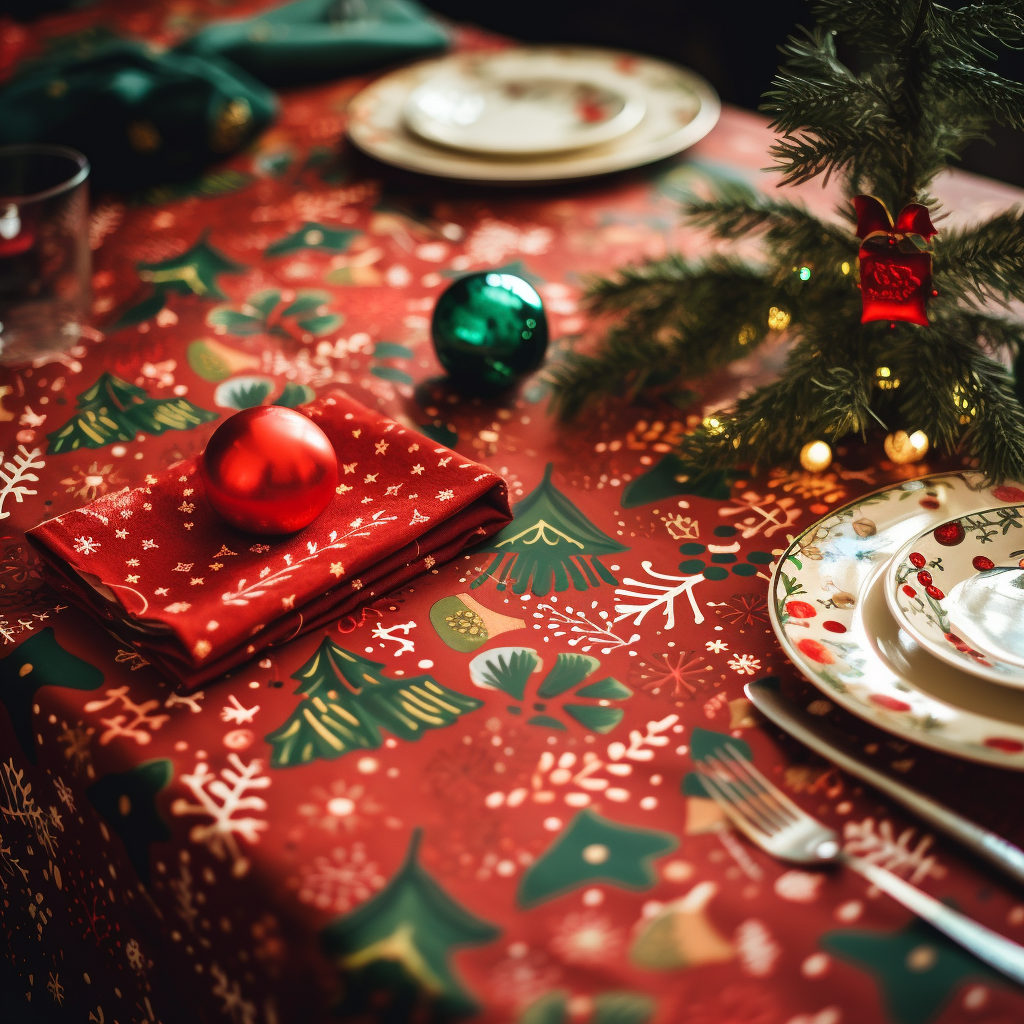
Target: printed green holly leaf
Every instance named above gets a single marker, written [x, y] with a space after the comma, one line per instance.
[313, 236]
[264, 312]
[114, 410]
[510, 670]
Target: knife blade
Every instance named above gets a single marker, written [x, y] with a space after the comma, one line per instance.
[765, 695]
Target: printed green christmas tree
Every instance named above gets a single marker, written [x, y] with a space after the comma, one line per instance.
[347, 700]
[114, 410]
[550, 542]
[39, 661]
[394, 950]
[194, 272]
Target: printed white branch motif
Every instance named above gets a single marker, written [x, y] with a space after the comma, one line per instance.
[587, 632]
[655, 594]
[404, 643]
[15, 472]
[20, 805]
[9, 864]
[639, 742]
[883, 847]
[138, 724]
[240, 1010]
[360, 527]
[237, 713]
[188, 700]
[220, 798]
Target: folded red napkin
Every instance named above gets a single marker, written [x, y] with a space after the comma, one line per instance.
[197, 597]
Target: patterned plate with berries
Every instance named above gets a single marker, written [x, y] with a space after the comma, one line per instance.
[830, 611]
[928, 575]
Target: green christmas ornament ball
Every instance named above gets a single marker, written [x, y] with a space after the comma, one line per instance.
[489, 329]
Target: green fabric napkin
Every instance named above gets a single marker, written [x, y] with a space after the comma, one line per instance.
[318, 39]
[140, 116]
[144, 117]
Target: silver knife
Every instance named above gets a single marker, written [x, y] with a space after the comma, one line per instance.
[824, 740]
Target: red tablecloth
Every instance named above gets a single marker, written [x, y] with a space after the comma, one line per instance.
[506, 826]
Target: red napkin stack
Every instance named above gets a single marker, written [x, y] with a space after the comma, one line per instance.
[197, 597]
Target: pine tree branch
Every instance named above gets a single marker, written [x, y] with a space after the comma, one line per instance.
[973, 27]
[983, 262]
[984, 93]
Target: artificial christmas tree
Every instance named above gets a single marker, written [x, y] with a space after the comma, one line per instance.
[935, 363]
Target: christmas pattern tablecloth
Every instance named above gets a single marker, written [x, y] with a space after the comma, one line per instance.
[540, 852]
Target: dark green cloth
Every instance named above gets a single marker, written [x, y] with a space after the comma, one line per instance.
[319, 39]
[145, 117]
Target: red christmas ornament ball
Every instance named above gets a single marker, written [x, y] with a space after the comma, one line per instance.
[269, 470]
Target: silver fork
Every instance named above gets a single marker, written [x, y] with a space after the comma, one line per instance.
[766, 816]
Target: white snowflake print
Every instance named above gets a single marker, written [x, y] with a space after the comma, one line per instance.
[138, 723]
[585, 937]
[86, 545]
[744, 664]
[55, 988]
[233, 1006]
[219, 799]
[387, 633]
[445, 495]
[716, 646]
[757, 950]
[64, 794]
[798, 886]
[340, 881]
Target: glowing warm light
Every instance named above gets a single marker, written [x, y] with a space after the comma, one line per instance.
[748, 332]
[815, 456]
[903, 448]
[844, 267]
[885, 380]
[778, 319]
[713, 425]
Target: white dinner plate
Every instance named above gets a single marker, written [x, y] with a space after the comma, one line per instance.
[523, 115]
[680, 108]
[830, 613]
[928, 574]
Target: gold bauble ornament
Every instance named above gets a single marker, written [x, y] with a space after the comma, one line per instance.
[903, 448]
[815, 456]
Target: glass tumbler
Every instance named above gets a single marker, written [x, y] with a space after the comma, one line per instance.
[44, 251]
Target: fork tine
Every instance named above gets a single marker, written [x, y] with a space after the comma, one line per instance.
[769, 787]
[764, 791]
[732, 810]
[771, 819]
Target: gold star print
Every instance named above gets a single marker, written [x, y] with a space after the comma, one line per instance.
[413, 448]
[188, 526]
[147, 544]
[131, 561]
[338, 569]
[196, 581]
[121, 534]
[131, 578]
[160, 592]
[342, 489]
[371, 478]
[288, 602]
[366, 500]
[150, 479]
[356, 433]
[380, 447]
[349, 467]
[216, 566]
[394, 489]
[183, 567]
[444, 462]
[416, 470]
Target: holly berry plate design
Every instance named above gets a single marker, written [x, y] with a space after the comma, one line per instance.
[926, 574]
[829, 610]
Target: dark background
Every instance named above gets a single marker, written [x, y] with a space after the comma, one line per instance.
[732, 44]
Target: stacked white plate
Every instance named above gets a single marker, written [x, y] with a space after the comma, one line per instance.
[907, 608]
[532, 114]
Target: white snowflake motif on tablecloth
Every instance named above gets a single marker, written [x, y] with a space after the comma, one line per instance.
[744, 664]
[18, 804]
[387, 633]
[716, 646]
[233, 1005]
[134, 954]
[55, 988]
[86, 545]
[341, 881]
[898, 853]
[655, 595]
[757, 950]
[65, 794]
[219, 799]
[586, 937]
[237, 713]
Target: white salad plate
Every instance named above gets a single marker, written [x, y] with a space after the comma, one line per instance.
[679, 108]
[520, 116]
[829, 609]
[945, 589]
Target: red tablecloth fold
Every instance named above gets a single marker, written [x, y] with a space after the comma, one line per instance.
[197, 597]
